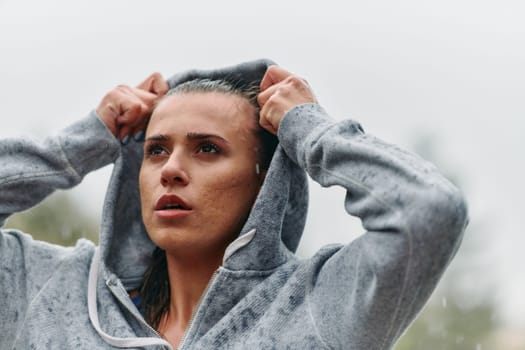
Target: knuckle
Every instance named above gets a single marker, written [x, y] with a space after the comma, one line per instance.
[272, 100]
[283, 91]
[134, 108]
[122, 87]
[295, 81]
[109, 106]
[261, 97]
[120, 90]
[156, 77]
[113, 94]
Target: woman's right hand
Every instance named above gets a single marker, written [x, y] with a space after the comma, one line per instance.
[125, 109]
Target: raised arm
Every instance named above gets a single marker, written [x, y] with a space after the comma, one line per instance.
[31, 170]
[366, 293]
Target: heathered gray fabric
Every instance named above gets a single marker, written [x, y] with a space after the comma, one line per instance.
[358, 296]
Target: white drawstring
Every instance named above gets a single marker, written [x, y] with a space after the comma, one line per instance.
[238, 244]
[93, 315]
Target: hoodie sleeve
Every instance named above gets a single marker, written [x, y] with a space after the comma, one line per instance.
[29, 171]
[368, 292]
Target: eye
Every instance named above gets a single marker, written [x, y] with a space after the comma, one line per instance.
[208, 147]
[154, 150]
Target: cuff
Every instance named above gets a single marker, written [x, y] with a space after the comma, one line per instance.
[300, 126]
[88, 144]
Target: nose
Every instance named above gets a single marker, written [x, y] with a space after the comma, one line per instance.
[173, 172]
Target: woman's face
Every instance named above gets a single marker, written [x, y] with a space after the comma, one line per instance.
[199, 177]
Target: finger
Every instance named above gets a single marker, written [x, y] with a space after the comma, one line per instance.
[147, 84]
[274, 74]
[140, 130]
[133, 114]
[267, 114]
[144, 96]
[127, 131]
[136, 105]
[109, 108]
[155, 83]
[265, 124]
[264, 96]
[159, 85]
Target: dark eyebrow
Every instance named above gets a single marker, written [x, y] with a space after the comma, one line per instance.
[190, 135]
[159, 137]
[201, 136]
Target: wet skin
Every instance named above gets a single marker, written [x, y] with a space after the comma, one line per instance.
[199, 175]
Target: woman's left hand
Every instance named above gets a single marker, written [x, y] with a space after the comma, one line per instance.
[280, 92]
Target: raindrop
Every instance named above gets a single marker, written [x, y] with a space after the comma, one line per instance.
[478, 346]
[444, 302]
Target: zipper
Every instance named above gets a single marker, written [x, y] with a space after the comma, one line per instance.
[141, 320]
[196, 309]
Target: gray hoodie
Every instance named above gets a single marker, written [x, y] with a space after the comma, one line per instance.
[362, 295]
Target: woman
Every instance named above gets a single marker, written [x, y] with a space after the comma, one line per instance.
[211, 263]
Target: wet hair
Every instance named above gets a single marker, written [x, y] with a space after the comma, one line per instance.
[155, 290]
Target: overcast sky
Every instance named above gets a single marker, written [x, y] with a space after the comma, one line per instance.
[447, 75]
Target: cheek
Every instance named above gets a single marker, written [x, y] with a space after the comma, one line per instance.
[236, 179]
[235, 189]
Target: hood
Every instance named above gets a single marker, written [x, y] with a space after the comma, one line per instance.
[278, 215]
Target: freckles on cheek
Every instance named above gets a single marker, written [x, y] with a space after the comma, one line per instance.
[245, 178]
[229, 188]
[226, 191]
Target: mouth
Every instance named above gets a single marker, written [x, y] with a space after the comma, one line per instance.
[171, 202]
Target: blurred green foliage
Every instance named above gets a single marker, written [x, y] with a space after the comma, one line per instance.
[445, 324]
[59, 219]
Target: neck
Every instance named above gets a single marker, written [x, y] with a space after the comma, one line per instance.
[188, 279]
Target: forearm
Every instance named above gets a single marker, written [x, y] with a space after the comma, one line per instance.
[381, 179]
[30, 170]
